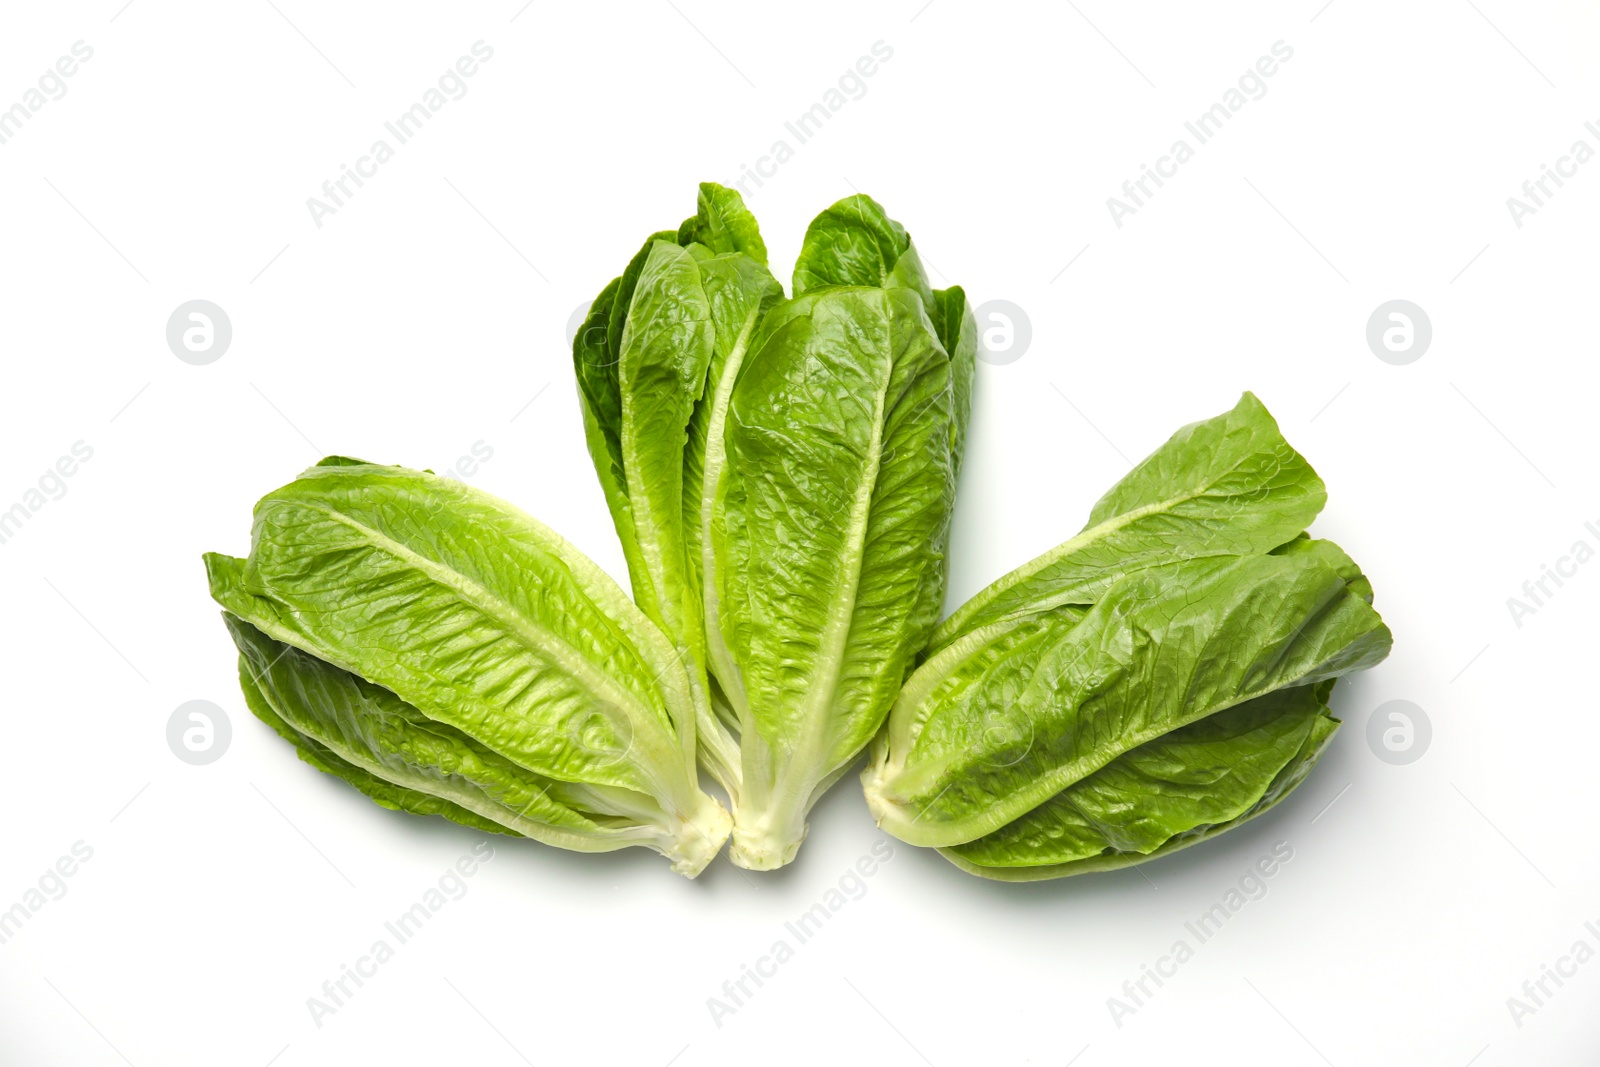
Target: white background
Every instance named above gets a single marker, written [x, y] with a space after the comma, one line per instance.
[423, 317]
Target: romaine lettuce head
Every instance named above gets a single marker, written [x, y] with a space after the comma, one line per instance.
[446, 653]
[1159, 678]
[781, 475]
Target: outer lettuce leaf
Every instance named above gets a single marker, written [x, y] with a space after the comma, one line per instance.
[855, 242]
[958, 333]
[1226, 486]
[320, 756]
[1161, 649]
[1334, 557]
[666, 351]
[369, 730]
[1230, 485]
[597, 362]
[833, 514]
[482, 620]
[1181, 788]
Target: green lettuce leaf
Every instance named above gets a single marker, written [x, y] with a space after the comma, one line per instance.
[656, 362]
[833, 514]
[1166, 794]
[369, 730]
[722, 224]
[855, 242]
[1227, 486]
[320, 756]
[1161, 649]
[958, 333]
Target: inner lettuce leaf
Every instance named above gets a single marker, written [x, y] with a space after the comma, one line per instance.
[833, 519]
[369, 730]
[655, 363]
